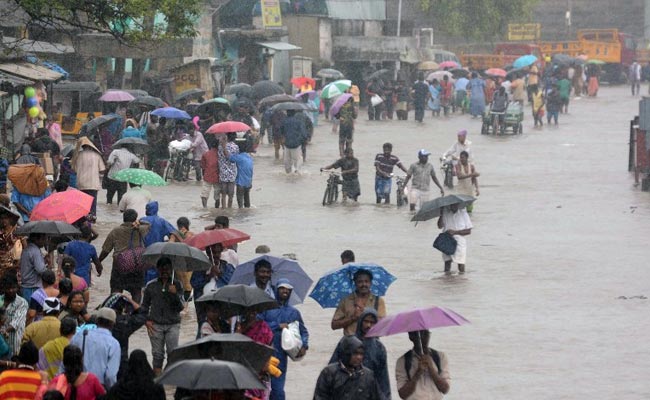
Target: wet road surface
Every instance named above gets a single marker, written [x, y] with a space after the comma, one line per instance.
[560, 236]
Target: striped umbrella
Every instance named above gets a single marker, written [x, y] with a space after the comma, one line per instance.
[335, 88]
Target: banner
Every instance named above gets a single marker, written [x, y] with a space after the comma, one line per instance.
[524, 32]
[271, 14]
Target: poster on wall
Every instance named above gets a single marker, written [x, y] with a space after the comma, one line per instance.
[271, 14]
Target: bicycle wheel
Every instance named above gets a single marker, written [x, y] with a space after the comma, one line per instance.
[334, 194]
[169, 170]
[449, 179]
[326, 195]
[400, 197]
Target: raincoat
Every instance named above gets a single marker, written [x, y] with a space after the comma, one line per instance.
[160, 228]
[374, 354]
[338, 382]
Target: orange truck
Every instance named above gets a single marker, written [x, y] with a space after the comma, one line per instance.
[504, 54]
[616, 49]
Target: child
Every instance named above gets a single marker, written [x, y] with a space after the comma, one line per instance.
[553, 104]
[244, 180]
[538, 107]
[210, 167]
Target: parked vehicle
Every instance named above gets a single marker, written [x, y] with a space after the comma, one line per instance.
[74, 102]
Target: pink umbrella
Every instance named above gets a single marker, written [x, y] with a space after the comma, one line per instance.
[116, 96]
[338, 104]
[496, 72]
[416, 320]
[228, 127]
[449, 64]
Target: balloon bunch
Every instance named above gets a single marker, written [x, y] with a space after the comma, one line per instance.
[32, 102]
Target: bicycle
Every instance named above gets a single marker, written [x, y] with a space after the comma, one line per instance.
[331, 194]
[447, 168]
[178, 166]
[402, 198]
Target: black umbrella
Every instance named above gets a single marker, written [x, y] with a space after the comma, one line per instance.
[237, 299]
[209, 375]
[292, 106]
[97, 122]
[233, 347]
[431, 209]
[50, 228]
[459, 73]
[562, 59]
[382, 73]
[149, 101]
[182, 256]
[138, 145]
[244, 102]
[213, 105]
[240, 90]
[330, 73]
[277, 98]
[67, 149]
[194, 92]
[264, 89]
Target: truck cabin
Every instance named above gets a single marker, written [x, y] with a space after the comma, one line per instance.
[73, 102]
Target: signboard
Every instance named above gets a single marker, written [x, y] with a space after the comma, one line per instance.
[300, 66]
[187, 77]
[271, 14]
[524, 32]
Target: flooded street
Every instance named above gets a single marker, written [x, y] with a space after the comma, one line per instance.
[560, 237]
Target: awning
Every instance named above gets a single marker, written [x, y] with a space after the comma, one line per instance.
[67, 86]
[36, 46]
[31, 71]
[279, 46]
[14, 80]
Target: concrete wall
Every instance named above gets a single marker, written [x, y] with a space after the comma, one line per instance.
[325, 39]
[304, 31]
[376, 49]
[203, 43]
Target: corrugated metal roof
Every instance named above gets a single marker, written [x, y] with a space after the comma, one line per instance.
[14, 80]
[31, 71]
[67, 86]
[280, 46]
[357, 9]
[37, 46]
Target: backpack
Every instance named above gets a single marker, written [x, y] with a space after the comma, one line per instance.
[28, 179]
[408, 361]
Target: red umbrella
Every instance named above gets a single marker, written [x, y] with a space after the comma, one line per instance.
[449, 64]
[227, 237]
[228, 127]
[66, 206]
[302, 81]
[496, 72]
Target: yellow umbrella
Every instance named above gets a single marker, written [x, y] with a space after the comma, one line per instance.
[428, 66]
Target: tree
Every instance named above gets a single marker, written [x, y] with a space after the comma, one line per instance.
[481, 20]
[129, 21]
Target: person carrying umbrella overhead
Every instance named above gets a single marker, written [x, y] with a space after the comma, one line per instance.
[162, 302]
[419, 375]
[119, 159]
[350, 308]
[278, 320]
[455, 222]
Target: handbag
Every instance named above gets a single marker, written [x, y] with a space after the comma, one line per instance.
[376, 100]
[130, 260]
[445, 243]
[291, 341]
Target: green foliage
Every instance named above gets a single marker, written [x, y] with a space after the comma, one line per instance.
[129, 21]
[481, 20]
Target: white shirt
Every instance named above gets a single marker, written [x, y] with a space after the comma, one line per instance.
[457, 221]
[120, 159]
[268, 289]
[136, 198]
[457, 147]
[425, 387]
[230, 256]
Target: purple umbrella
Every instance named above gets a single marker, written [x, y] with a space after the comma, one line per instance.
[338, 104]
[416, 320]
[116, 96]
[310, 93]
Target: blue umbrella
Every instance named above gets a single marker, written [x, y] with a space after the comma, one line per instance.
[281, 268]
[171, 113]
[337, 284]
[524, 61]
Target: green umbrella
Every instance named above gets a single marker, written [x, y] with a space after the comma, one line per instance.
[139, 177]
[594, 61]
[335, 88]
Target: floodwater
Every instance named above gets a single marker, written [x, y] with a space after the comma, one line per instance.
[557, 266]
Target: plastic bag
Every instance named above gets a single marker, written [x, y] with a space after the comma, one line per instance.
[291, 341]
[375, 100]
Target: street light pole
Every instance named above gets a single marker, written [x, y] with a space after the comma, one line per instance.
[399, 18]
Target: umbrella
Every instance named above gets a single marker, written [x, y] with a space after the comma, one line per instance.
[233, 347]
[149, 101]
[227, 237]
[562, 59]
[330, 73]
[416, 320]
[99, 121]
[264, 89]
[282, 268]
[116, 96]
[136, 144]
[238, 299]
[275, 99]
[338, 104]
[68, 206]
[67, 149]
[10, 212]
[311, 93]
[335, 88]
[170, 113]
[459, 72]
[139, 176]
[183, 257]
[51, 228]
[209, 375]
[524, 61]
[595, 62]
[380, 74]
[332, 287]
[438, 75]
[240, 90]
[431, 209]
[496, 72]
[186, 94]
[292, 106]
[228, 127]
[448, 64]
[515, 71]
[428, 66]
[302, 81]
[216, 103]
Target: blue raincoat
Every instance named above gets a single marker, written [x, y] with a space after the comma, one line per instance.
[160, 228]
